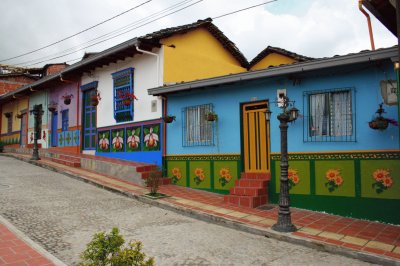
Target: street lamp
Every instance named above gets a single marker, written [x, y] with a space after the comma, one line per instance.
[284, 223]
[37, 112]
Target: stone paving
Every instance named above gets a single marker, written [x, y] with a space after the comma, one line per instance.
[61, 214]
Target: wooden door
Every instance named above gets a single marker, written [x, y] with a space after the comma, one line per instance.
[255, 137]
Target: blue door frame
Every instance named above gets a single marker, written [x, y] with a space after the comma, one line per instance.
[54, 124]
[89, 121]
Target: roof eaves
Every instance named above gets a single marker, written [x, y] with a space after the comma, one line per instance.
[324, 63]
[74, 67]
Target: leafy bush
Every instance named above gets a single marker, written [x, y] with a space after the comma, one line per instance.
[108, 250]
[154, 180]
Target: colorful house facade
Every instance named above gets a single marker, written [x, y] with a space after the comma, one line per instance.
[110, 113]
[343, 153]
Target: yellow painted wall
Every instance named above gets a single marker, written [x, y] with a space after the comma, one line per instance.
[15, 107]
[273, 59]
[197, 55]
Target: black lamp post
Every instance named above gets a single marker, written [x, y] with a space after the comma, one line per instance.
[284, 223]
[37, 112]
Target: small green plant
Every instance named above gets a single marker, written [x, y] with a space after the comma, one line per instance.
[108, 250]
[211, 116]
[1, 146]
[154, 180]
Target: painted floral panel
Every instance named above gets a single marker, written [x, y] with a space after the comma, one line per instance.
[133, 139]
[151, 137]
[335, 178]
[103, 144]
[117, 141]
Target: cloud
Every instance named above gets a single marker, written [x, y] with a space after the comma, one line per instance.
[309, 27]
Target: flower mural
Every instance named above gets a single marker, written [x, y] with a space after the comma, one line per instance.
[335, 179]
[199, 175]
[118, 142]
[176, 175]
[225, 176]
[104, 143]
[293, 178]
[383, 180]
[133, 140]
[151, 138]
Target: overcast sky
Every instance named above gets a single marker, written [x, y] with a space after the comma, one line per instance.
[316, 28]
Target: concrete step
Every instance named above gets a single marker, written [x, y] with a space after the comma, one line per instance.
[69, 158]
[246, 201]
[251, 183]
[66, 162]
[260, 176]
[243, 191]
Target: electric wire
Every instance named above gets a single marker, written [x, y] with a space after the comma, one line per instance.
[34, 61]
[117, 34]
[73, 35]
[131, 29]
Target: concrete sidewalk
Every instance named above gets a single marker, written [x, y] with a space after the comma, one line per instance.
[368, 241]
[17, 249]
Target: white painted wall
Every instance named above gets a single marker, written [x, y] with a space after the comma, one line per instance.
[145, 77]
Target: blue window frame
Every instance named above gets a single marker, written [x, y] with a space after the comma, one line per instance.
[123, 91]
[65, 120]
[330, 115]
[196, 130]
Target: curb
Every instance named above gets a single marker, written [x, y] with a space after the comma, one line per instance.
[222, 221]
[30, 242]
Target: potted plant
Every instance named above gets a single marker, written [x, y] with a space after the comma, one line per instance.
[52, 107]
[8, 114]
[379, 122]
[1, 146]
[19, 115]
[168, 118]
[67, 98]
[211, 116]
[95, 98]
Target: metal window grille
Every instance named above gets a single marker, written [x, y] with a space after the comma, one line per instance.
[123, 86]
[65, 120]
[197, 131]
[329, 115]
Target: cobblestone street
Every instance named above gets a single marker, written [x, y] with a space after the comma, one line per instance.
[61, 214]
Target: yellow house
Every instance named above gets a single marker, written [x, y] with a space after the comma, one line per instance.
[196, 51]
[274, 56]
[14, 121]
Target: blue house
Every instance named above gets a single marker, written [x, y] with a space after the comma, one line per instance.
[343, 149]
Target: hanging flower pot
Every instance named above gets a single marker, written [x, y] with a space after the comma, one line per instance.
[8, 115]
[95, 99]
[168, 118]
[19, 116]
[127, 102]
[67, 98]
[52, 107]
[211, 116]
[379, 123]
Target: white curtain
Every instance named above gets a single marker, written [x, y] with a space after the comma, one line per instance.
[318, 117]
[341, 124]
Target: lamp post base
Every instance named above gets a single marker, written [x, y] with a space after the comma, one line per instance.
[284, 228]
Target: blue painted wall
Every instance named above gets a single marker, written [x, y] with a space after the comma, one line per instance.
[364, 79]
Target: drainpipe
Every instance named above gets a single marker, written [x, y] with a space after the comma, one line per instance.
[371, 36]
[158, 62]
[164, 99]
[398, 61]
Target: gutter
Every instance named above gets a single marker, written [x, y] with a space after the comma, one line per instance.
[318, 64]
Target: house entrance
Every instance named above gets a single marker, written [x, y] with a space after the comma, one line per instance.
[255, 137]
[89, 121]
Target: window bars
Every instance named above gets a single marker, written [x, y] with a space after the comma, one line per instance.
[196, 130]
[329, 116]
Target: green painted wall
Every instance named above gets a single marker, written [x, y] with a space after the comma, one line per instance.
[216, 173]
[356, 184]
